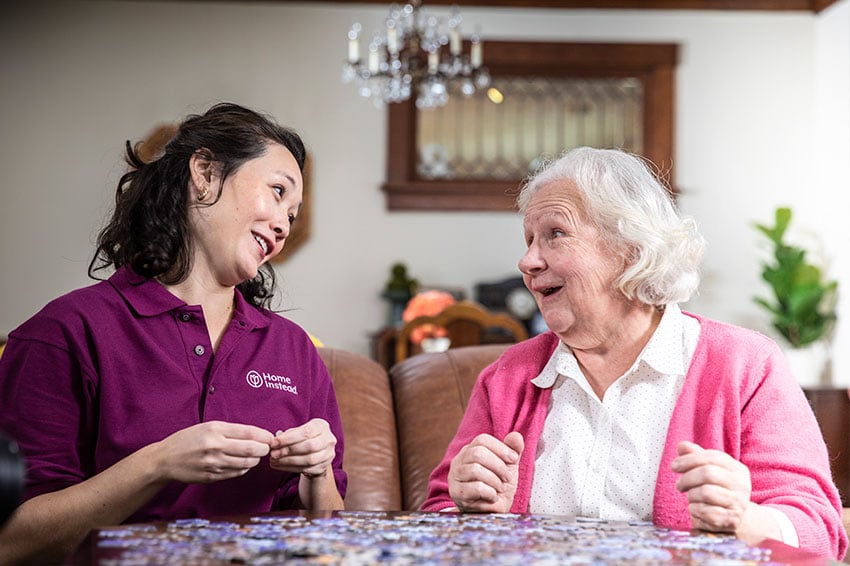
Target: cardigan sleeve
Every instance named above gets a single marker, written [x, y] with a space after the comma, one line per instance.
[503, 400]
[476, 420]
[782, 445]
[739, 397]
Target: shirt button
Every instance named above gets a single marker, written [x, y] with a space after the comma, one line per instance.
[185, 317]
[212, 389]
[199, 350]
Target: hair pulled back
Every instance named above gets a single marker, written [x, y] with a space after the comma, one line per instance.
[149, 229]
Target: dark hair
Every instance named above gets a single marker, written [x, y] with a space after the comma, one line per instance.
[149, 228]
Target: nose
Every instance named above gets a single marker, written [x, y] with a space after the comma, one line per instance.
[281, 226]
[532, 261]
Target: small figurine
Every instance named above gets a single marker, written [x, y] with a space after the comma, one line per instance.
[398, 291]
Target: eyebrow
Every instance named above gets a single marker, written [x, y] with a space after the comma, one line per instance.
[288, 177]
[550, 215]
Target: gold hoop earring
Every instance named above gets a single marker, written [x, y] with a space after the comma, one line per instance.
[203, 194]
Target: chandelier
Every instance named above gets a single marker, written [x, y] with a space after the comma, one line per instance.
[409, 57]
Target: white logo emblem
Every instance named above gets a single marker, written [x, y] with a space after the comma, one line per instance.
[271, 381]
[254, 379]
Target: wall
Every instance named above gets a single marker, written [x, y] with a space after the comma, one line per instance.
[831, 171]
[761, 120]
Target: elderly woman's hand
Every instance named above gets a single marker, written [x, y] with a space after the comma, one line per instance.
[308, 449]
[483, 475]
[717, 485]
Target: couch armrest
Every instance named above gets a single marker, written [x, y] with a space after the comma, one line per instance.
[368, 424]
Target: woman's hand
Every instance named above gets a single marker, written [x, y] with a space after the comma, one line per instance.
[212, 451]
[718, 488]
[308, 449]
[483, 475]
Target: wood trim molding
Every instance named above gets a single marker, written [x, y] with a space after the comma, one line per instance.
[654, 64]
[815, 6]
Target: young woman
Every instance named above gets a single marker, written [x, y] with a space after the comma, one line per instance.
[169, 390]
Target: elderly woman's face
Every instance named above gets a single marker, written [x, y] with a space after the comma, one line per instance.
[567, 268]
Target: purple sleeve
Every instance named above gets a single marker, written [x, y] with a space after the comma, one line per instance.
[45, 407]
[323, 405]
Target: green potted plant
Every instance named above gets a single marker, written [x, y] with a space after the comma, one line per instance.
[398, 290]
[802, 307]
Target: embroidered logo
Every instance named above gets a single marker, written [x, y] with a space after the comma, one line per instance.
[254, 379]
[271, 381]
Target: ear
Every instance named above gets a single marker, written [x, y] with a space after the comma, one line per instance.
[201, 168]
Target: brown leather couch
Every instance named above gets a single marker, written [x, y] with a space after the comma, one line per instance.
[397, 426]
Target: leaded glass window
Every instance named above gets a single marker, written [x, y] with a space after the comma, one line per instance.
[508, 130]
[474, 153]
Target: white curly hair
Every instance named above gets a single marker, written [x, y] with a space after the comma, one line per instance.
[635, 215]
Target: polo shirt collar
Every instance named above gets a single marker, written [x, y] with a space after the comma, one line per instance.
[657, 353]
[252, 316]
[147, 297]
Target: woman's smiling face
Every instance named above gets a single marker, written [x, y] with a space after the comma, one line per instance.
[567, 266]
[249, 223]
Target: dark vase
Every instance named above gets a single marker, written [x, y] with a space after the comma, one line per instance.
[398, 300]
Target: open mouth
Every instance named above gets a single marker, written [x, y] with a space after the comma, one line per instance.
[263, 244]
[549, 290]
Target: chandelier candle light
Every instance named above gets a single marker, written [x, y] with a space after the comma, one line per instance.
[408, 57]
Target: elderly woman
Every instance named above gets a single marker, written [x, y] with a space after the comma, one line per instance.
[629, 408]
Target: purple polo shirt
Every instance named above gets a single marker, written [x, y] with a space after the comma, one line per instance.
[110, 368]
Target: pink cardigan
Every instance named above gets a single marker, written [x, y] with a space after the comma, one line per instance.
[738, 396]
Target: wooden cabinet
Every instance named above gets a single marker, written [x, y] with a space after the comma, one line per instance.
[382, 346]
[831, 406]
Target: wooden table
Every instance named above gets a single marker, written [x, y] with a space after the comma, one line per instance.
[368, 537]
